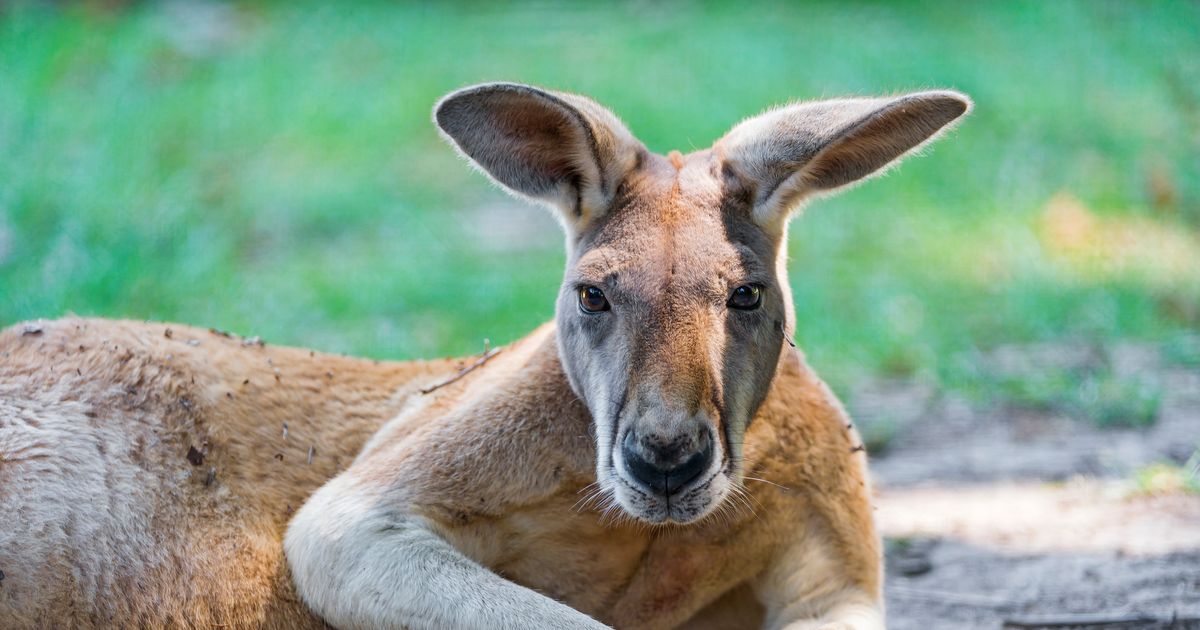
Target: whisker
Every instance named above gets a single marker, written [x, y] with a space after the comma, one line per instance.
[583, 503]
[749, 500]
[749, 478]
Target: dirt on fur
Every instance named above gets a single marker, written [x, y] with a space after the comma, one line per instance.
[1001, 514]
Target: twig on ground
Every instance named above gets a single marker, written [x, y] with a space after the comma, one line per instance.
[1099, 620]
[786, 336]
[948, 597]
[487, 355]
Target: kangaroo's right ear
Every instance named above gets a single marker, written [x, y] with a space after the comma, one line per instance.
[560, 149]
[790, 153]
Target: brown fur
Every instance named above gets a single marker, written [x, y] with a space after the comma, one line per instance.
[214, 556]
[111, 408]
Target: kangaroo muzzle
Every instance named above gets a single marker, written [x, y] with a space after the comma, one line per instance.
[666, 457]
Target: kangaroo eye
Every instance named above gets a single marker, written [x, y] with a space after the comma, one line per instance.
[746, 297]
[592, 300]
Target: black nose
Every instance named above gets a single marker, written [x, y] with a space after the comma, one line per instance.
[666, 465]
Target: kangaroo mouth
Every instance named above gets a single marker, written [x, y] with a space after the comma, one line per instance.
[682, 508]
[666, 502]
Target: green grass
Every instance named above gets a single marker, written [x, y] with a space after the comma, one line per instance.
[1167, 478]
[271, 169]
[1099, 395]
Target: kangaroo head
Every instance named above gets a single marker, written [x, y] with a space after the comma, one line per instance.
[675, 303]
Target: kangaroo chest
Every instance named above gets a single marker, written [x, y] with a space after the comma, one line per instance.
[601, 563]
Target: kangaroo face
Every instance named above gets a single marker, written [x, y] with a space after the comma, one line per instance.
[670, 323]
[675, 301]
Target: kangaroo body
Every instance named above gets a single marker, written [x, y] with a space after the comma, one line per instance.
[108, 523]
[105, 519]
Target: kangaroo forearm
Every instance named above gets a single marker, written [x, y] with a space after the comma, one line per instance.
[363, 567]
[815, 584]
[846, 608]
[848, 615]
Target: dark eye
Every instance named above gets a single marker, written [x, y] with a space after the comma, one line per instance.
[592, 300]
[746, 297]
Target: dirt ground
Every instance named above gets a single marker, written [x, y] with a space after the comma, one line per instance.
[997, 516]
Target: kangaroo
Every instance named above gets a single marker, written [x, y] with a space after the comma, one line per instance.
[658, 456]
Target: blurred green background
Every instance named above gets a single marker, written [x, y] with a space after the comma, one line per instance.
[270, 169]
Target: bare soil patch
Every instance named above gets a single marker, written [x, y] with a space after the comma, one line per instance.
[1002, 512]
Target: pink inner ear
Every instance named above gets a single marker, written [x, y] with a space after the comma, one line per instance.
[537, 136]
[522, 137]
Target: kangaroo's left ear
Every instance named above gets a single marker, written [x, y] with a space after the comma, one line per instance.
[792, 152]
[561, 149]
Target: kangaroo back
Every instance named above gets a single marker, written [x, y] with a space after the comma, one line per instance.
[147, 471]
